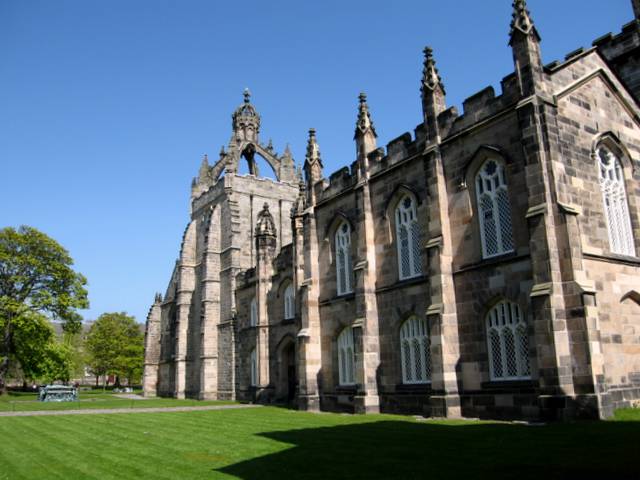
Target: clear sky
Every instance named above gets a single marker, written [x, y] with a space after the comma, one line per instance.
[106, 107]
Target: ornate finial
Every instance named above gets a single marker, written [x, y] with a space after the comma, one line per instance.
[430, 76]
[270, 145]
[364, 123]
[287, 151]
[158, 298]
[247, 95]
[222, 151]
[265, 224]
[203, 174]
[312, 161]
[521, 18]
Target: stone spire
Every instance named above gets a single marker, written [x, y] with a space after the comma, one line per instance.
[158, 298]
[525, 44]
[521, 19]
[433, 95]
[312, 162]
[365, 135]
[203, 174]
[246, 120]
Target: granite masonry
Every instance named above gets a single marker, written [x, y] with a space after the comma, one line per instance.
[485, 265]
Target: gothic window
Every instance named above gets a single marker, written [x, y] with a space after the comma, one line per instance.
[253, 361]
[253, 315]
[408, 239]
[496, 232]
[344, 270]
[289, 305]
[508, 343]
[415, 351]
[346, 358]
[614, 198]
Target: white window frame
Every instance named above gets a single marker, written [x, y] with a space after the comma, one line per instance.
[253, 313]
[344, 267]
[507, 343]
[615, 202]
[346, 358]
[408, 242]
[289, 302]
[253, 368]
[415, 351]
[493, 205]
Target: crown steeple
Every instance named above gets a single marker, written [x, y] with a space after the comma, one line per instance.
[246, 120]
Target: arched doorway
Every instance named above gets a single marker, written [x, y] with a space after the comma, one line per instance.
[287, 378]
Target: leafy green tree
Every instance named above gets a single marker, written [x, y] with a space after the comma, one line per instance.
[115, 346]
[38, 352]
[35, 278]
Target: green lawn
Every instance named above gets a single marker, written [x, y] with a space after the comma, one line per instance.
[275, 443]
[20, 402]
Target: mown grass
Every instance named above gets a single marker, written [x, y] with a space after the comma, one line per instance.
[95, 399]
[270, 443]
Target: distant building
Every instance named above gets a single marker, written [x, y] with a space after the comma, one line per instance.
[485, 266]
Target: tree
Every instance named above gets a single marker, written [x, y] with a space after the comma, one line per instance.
[38, 352]
[115, 346]
[35, 278]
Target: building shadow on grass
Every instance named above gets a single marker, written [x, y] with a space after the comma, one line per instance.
[406, 450]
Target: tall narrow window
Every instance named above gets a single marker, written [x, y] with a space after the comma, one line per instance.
[408, 239]
[253, 361]
[496, 231]
[346, 358]
[344, 270]
[415, 351]
[253, 315]
[508, 343]
[614, 198]
[289, 305]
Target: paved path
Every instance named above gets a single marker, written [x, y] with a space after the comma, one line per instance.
[102, 411]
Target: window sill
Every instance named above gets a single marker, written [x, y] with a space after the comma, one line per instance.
[403, 283]
[489, 262]
[338, 298]
[288, 321]
[413, 387]
[347, 389]
[508, 384]
[613, 258]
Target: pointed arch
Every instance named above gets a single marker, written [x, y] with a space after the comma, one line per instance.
[507, 342]
[404, 228]
[346, 357]
[632, 295]
[610, 159]
[415, 351]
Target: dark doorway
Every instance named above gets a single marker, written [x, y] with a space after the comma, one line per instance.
[292, 379]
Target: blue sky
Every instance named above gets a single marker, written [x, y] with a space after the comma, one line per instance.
[107, 107]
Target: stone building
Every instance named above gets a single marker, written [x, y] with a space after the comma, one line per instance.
[485, 266]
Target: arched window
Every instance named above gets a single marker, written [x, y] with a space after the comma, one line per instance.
[344, 270]
[253, 361]
[496, 231]
[346, 358]
[415, 351]
[508, 343]
[253, 315]
[614, 198]
[408, 239]
[289, 305]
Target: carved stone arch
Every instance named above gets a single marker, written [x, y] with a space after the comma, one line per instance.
[188, 248]
[401, 191]
[328, 240]
[282, 285]
[613, 143]
[632, 295]
[219, 167]
[475, 162]
[401, 316]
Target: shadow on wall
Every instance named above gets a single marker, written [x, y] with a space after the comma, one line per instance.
[405, 450]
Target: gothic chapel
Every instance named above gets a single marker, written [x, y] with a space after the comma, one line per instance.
[485, 265]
